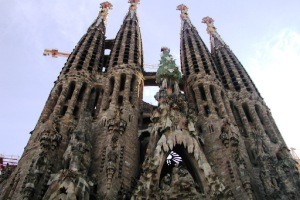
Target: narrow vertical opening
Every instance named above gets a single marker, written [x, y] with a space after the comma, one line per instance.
[81, 92]
[122, 83]
[52, 102]
[247, 112]
[202, 92]
[120, 100]
[259, 113]
[211, 129]
[238, 118]
[213, 94]
[68, 97]
[194, 98]
[75, 112]
[224, 102]
[70, 91]
[132, 83]
[207, 110]
[63, 110]
[111, 85]
[96, 106]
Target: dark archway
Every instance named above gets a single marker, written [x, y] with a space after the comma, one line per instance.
[188, 162]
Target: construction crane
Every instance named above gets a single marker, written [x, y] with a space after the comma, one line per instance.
[8, 161]
[55, 54]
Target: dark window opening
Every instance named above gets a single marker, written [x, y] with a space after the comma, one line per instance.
[81, 92]
[238, 119]
[207, 110]
[186, 165]
[63, 110]
[213, 94]
[194, 98]
[96, 104]
[211, 129]
[120, 100]
[132, 83]
[111, 85]
[202, 92]
[247, 112]
[75, 112]
[218, 111]
[70, 91]
[259, 113]
[122, 84]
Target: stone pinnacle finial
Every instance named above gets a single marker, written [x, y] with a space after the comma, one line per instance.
[184, 11]
[211, 29]
[133, 5]
[103, 13]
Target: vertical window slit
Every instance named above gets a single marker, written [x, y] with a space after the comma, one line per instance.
[70, 91]
[213, 94]
[111, 85]
[81, 92]
[238, 118]
[247, 112]
[202, 92]
[122, 83]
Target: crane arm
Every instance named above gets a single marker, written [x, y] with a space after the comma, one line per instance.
[55, 53]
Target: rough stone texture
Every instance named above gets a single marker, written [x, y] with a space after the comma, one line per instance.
[96, 139]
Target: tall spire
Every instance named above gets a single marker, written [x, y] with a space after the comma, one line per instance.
[233, 74]
[195, 57]
[92, 41]
[127, 48]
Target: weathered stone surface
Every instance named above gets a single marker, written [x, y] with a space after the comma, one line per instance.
[211, 136]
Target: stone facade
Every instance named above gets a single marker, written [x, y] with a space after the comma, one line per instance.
[97, 139]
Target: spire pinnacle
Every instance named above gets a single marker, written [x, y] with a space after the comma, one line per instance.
[184, 13]
[103, 13]
[133, 5]
[215, 39]
[211, 29]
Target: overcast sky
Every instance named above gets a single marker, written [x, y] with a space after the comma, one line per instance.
[264, 34]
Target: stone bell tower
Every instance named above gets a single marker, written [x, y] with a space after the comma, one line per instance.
[57, 156]
[263, 142]
[116, 144]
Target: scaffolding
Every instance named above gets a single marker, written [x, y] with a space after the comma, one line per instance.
[8, 161]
